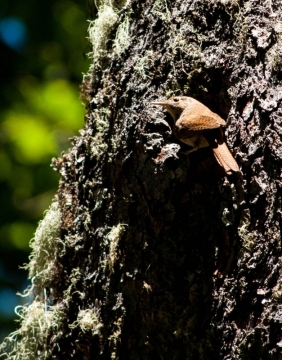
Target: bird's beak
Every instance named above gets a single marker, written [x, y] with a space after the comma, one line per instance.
[159, 103]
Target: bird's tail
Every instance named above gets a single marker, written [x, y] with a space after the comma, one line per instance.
[225, 158]
[222, 153]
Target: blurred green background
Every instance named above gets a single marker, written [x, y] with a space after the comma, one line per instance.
[42, 47]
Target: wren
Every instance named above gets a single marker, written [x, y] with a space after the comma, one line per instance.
[197, 126]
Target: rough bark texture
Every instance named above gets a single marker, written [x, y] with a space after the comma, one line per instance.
[145, 228]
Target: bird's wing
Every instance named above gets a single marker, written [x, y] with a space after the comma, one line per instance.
[188, 125]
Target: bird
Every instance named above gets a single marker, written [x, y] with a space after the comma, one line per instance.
[197, 126]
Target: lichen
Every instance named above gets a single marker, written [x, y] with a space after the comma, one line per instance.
[45, 247]
[144, 64]
[74, 277]
[115, 337]
[114, 237]
[248, 238]
[122, 39]
[274, 54]
[99, 146]
[30, 341]
[38, 318]
[88, 320]
[101, 30]
[160, 9]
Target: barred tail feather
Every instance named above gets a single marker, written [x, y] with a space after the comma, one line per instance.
[225, 158]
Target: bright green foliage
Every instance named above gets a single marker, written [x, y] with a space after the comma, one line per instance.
[40, 111]
[31, 126]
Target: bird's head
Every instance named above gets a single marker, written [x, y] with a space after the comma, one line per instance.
[175, 105]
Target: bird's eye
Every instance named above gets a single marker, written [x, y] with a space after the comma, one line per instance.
[175, 100]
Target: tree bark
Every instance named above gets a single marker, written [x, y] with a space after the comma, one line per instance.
[157, 255]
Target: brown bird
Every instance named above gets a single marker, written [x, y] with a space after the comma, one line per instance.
[197, 126]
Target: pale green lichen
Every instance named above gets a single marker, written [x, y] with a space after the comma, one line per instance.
[160, 9]
[274, 54]
[229, 2]
[147, 287]
[277, 292]
[115, 337]
[247, 237]
[89, 320]
[231, 7]
[99, 196]
[45, 246]
[114, 237]
[98, 145]
[179, 46]
[173, 92]
[74, 278]
[30, 341]
[144, 64]
[101, 30]
[122, 39]
[227, 216]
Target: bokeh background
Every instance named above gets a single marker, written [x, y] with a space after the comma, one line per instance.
[43, 47]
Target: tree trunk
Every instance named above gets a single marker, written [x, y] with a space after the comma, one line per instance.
[148, 253]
